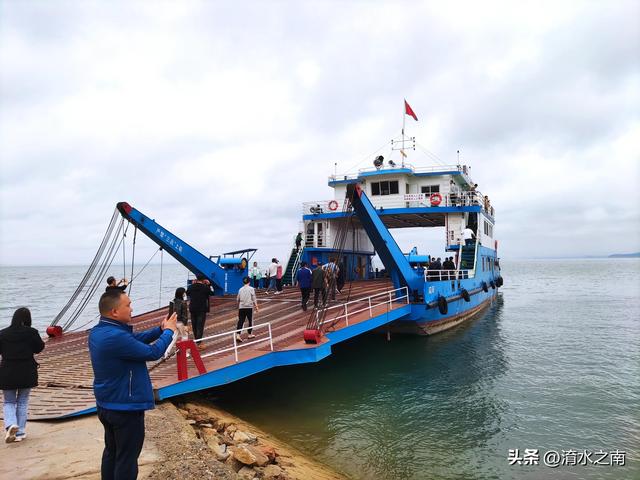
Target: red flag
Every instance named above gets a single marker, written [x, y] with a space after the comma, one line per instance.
[409, 111]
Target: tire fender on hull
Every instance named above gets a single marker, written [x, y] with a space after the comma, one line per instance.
[465, 295]
[443, 306]
[485, 287]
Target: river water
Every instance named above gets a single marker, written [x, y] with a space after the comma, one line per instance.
[553, 365]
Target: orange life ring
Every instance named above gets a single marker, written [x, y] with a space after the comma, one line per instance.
[333, 205]
[435, 199]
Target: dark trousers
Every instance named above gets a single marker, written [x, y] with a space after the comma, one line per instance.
[197, 322]
[316, 295]
[245, 314]
[279, 284]
[123, 439]
[306, 292]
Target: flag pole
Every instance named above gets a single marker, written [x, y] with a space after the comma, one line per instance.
[404, 118]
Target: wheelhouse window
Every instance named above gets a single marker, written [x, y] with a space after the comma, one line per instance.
[429, 189]
[384, 188]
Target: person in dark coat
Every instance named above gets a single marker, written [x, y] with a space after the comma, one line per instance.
[199, 292]
[179, 305]
[304, 282]
[18, 372]
[317, 283]
[113, 285]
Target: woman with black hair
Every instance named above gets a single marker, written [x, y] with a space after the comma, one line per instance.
[179, 305]
[18, 372]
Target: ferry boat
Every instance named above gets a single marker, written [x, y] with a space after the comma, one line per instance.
[391, 196]
[412, 294]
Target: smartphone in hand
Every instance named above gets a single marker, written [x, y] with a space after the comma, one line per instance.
[171, 309]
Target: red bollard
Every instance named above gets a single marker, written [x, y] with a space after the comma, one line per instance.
[312, 336]
[182, 346]
[54, 331]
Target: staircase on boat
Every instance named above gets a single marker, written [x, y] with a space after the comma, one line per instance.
[289, 276]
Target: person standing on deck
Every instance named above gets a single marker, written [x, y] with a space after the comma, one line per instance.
[179, 306]
[279, 273]
[255, 275]
[317, 283]
[121, 383]
[18, 372]
[246, 302]
[330, 277]
[199, 292]
[304, 282]
[120, 285]
[271, 274]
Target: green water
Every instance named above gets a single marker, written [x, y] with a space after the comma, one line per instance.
[553, 365]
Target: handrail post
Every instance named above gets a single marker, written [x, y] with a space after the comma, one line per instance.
[270, 336]
[235, 347]
[370, 309]
[346, 315]
[389, 299]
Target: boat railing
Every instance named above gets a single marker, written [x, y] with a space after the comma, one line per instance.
[404, 166]
[387, 298]
[441, 275]
[410, 200]
[238, 345]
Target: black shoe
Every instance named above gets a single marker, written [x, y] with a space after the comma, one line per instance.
[304, 307]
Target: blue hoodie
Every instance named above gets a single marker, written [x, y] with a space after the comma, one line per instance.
[304, 277]
[118, 356]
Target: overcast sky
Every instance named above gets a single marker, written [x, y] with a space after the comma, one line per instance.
[219, 118]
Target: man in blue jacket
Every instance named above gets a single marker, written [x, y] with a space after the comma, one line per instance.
[121, 381]
[304, 282]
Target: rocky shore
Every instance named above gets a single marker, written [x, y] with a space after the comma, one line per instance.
[190, 439]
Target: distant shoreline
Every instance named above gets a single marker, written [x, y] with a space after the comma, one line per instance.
[508, 259]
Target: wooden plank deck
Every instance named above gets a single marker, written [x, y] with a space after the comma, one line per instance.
[66, 376]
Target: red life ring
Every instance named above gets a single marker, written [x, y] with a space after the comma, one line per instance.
[435, 199]
[333, 205]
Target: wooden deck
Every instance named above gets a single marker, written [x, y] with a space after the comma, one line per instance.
[66, 376]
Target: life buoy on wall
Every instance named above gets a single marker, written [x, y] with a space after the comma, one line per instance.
[333, 205]
[243, 264]
[443, 306]
[435, 199]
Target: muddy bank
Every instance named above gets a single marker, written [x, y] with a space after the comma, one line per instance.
[187, 440]
[247, 450]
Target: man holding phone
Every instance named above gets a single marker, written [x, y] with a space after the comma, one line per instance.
[121, 384]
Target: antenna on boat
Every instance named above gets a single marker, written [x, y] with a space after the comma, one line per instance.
[458, 157]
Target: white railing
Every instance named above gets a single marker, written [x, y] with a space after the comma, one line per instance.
[414, 200]
[389, 299]
[406, 166]
[438, 275]
[235, 347]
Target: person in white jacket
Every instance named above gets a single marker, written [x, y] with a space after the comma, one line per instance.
[273, 271]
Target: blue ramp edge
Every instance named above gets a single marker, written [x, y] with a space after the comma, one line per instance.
[280, 358]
